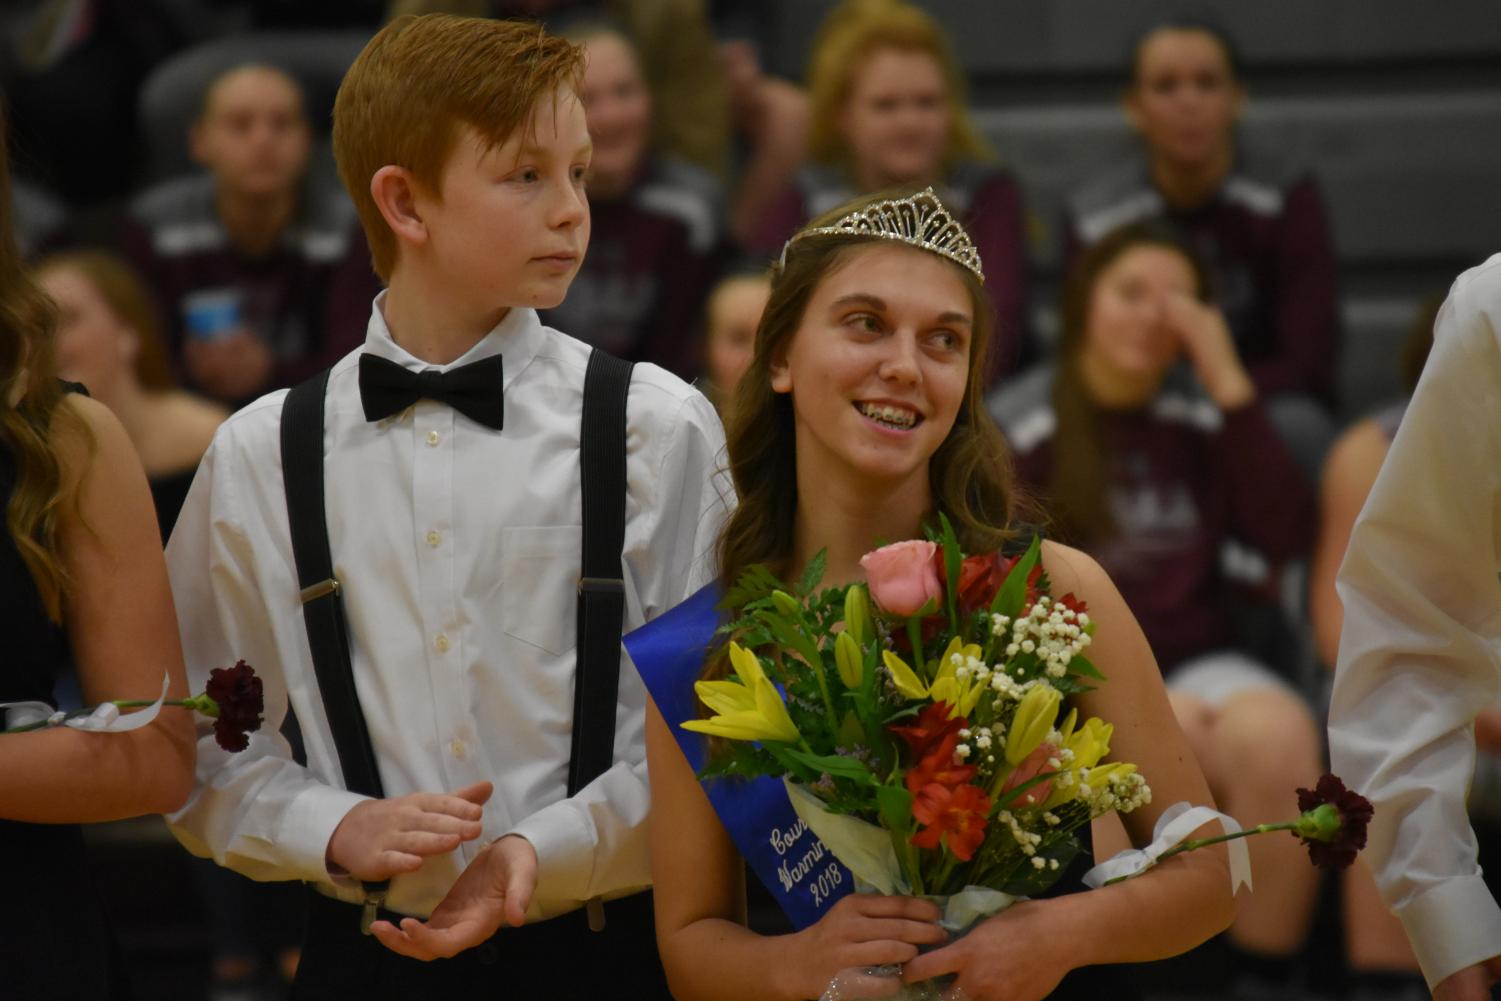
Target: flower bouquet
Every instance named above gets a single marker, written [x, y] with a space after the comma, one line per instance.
[919, 727]
[232, 698]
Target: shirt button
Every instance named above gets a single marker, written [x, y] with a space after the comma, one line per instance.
[457, 749]
[433, 438]
[434, 539]
[441, 642]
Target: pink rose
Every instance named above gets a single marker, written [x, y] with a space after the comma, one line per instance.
[902, 576]
[1032, 766]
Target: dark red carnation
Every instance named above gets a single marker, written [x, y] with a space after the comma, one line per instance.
[1334, 822]
[236, 692]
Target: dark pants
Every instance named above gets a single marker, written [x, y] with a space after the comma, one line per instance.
[560, 960]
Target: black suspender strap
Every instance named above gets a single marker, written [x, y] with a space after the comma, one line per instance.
[601, 603]
[322, 601]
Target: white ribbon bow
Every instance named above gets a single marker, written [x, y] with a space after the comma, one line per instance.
[1173, 827]
[105, 718]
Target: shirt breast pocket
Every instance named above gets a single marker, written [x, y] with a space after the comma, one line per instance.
[540, 569]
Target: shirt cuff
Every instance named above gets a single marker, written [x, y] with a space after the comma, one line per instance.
[1454, 925]
[564, 844]
[306, 828]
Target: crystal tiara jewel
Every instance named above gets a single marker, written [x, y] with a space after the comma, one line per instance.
[919, 220]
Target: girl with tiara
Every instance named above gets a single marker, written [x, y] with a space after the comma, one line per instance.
[859, 421]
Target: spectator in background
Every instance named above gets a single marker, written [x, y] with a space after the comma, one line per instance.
[1151, 479]
[1379, 954]
[770, 122]
[888, 110]
[1256, 219]
[261, 280]
[735, 308]
[656, 243]
[108, 338]
[676, 52]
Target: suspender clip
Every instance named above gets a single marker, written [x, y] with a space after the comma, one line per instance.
[601, 585]
[373, 901]
[322, 589]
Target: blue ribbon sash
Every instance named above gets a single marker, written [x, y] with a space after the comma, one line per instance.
[799, 871]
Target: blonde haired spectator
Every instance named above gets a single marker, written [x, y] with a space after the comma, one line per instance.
[888, 110]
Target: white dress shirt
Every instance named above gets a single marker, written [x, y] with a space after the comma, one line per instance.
[458, 548]
[1420, 654]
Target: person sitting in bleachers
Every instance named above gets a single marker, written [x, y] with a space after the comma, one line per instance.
[1151, 475]
[1257, 219]
[734, 313]
[108, 339]
[657, 231]
[261, 279]
[1379, 955]
[888, 110]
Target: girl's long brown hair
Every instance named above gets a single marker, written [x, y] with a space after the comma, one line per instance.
[1077, 488]
[971, 473]
[31, 428]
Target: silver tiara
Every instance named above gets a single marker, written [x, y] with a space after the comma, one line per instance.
[919, 220]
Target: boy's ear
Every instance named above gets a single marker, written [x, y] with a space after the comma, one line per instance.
[395, 193]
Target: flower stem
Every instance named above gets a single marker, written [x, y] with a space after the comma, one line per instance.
[1196, 843]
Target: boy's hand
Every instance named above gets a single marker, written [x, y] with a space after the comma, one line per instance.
[382, 837]
[497, 886]
[229, 368]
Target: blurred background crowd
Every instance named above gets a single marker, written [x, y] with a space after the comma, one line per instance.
[1215, 238]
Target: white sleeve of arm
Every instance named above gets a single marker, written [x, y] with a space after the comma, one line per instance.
[1420, 653]
[594, 843]
[255, 811]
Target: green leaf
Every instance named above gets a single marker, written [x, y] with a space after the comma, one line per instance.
[814, 573]
[833, 764]
[851, 733]
[895, 804]
[1084, 666]
[1008, 600]
[952, 557]
[755, 583]
[1030, 881]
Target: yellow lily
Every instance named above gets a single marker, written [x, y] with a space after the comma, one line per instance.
[906, 679]
[749, 710]
[849, 660]
[1089, 743]
[1032, 723]
[857, 613]
[946, 687]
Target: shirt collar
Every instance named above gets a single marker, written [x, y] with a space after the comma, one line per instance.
[518, 338]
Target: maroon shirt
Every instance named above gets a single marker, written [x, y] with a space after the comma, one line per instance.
[308, 299]
[988, 202]
[1184, 478]
[653, 255]
[1265, 237]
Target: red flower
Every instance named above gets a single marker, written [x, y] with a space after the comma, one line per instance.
[236, 692]
[1073, 603]
[1334, 821]
[932, 726]
[939, 766]
[980, 577]
[956, 816]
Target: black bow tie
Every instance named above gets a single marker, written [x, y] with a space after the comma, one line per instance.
[474, 390]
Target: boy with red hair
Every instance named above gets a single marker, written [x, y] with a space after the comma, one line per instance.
[444, 777]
